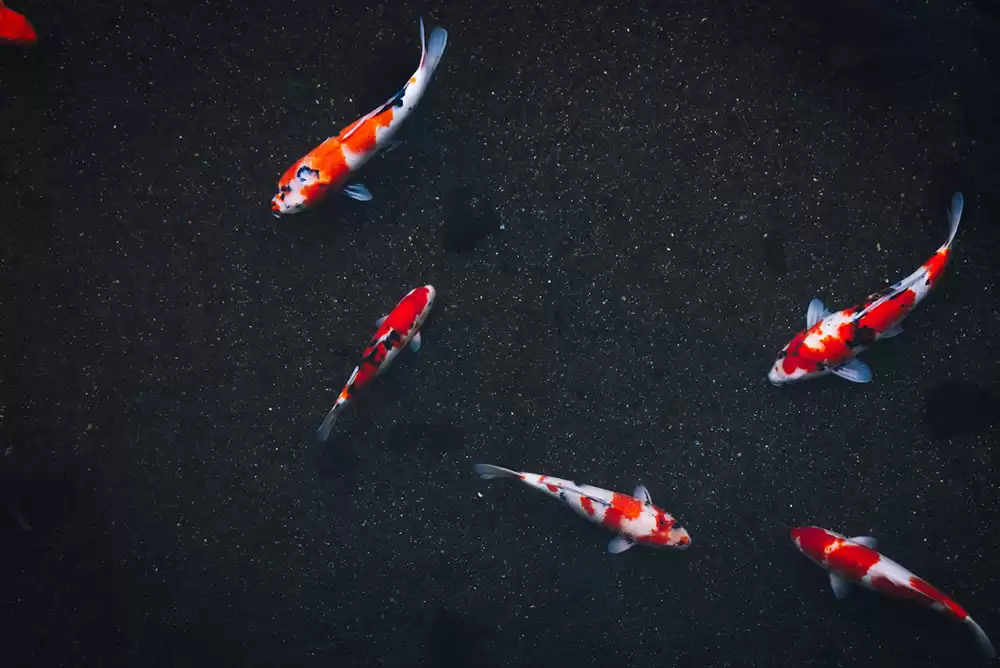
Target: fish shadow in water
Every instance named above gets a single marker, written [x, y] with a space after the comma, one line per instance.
[471, 219]
[952, 408]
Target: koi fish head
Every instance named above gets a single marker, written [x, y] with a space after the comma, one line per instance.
[797, 360]
[814, 542]
[668, 532]
[429, 294]
[300, 188]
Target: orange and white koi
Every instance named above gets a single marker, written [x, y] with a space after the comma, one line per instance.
[399, 328]
[634, 518]
[329, 166]
[855, 561]
[831, 341]
[15, 28]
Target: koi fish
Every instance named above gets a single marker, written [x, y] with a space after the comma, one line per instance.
[634, 518]
[831, 341]
[855, 561]
[328, 166]
[15, 28]
[399, 328]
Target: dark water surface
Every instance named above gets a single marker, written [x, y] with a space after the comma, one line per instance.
[625, 208]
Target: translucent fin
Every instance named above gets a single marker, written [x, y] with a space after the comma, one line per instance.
[840, 588]
[488, 471]
[357, 191]
[642, 494]
[433, 48]
[867, 541]
[954, 216]
[620, 544]
[816, 312]
[325, 429]
[415, 342]
[855, 371]
[984, 642]
[378, 323]
[895, 330]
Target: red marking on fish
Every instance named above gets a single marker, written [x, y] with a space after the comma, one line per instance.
[588, 505]
[15, 29]
[623, 507]
[851, 560]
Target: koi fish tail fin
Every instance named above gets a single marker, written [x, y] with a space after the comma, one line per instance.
[954, 217]
[984, 643]
[432, 49]
[324, 430]
[488, 471]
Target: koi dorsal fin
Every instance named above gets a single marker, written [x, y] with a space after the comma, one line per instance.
[816, 312]
[642, 494]
[867, 541]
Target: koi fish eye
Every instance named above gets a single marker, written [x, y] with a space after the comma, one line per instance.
[285, 189]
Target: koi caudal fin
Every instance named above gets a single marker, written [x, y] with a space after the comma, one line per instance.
[954, 217]
[324, 430]
[432, 49]
[487, 471]
[984, 643]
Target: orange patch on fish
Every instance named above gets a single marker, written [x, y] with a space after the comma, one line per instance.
[362, 140]
[587, 504]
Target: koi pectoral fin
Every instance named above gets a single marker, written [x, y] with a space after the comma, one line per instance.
[855, 371]
[840, 588]
[357, 191]
[620, 544]
[415, 342]
[895, 330]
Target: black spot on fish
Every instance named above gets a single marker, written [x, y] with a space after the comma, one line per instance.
[395, 101]
[783, 354]
[562, 495]
[387, 344]
[305, 174]
[394, 336]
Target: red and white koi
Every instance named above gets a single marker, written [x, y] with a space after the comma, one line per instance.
[634, 518]
[396, 330]
[15, 29]
[856, 561]
[328, 166]
[831, 341]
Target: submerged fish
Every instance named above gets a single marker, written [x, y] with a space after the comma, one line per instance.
[328, 166]
[831, 341]
[855, 561]
[15, 28]
[401, 327]
[634, 518]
